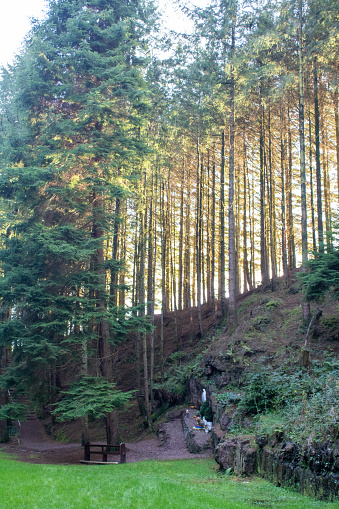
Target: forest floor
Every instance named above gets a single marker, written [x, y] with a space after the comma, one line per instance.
[35, 446]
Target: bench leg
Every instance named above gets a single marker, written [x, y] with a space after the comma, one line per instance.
[122, 453]
[87, 453]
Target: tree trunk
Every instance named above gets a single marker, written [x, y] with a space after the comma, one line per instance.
[247, 278]
[84, 372]
[213, 236]
[222, 289]
[115, 247]
[271, 204]
[336, 119]
[198, 237]
[283, 204]
[263, 248]
[181, 239]
[104, 350]
[187, 258]
[231, 200]
[304, 247]
[311, 183]
[289, 208]
[317, 159]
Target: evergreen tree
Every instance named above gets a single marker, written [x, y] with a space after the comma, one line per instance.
[80, 100]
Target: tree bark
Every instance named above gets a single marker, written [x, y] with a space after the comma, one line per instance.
[231, 203]
[317, 159]
[104, 349]
[222, 289]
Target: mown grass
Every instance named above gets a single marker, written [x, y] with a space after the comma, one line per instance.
[188, 484]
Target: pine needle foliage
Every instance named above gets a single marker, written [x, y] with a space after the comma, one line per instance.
[92, 396]
[322, 276]
[73, 112]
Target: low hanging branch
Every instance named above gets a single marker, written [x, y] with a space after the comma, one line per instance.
[92, 396]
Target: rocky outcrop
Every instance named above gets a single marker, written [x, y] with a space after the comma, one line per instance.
[239, 454]
[312, 470]
[223, 370]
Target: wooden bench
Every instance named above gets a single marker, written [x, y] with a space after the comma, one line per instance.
[104, 450]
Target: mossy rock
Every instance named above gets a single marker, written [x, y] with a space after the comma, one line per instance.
[272, 304]
[260, 322]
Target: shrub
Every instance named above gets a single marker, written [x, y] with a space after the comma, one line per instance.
[260, 395]
[209, 414]
[226, 398]
[203, 408]
[304, 405]
[206, 411]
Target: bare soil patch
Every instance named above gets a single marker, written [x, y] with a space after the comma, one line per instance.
[36, 447]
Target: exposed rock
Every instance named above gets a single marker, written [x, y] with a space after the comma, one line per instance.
[225, 421]
[313, 470]
[217, 434]
[195, 391]
[237, 453]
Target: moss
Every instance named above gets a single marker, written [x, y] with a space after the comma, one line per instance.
[273, 304]
[331, 322]
[260, 322]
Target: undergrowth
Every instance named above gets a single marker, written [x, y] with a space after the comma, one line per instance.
[303, 404]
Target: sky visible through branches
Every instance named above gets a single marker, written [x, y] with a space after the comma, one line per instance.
[15, 22]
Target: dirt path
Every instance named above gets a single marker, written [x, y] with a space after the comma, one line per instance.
[36, 447]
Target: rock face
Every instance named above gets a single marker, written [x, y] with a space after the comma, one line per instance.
[313, 470]
[222, 370]
[238, 453]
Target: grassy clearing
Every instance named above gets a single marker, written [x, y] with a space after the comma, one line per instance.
[149, 484]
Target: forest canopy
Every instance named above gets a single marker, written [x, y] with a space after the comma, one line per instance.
[145, 171]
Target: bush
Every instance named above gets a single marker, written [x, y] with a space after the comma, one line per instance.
[203, 408]
[206, 411]
[260, 395]
[226, 398]
[209, 414]
[303, 405]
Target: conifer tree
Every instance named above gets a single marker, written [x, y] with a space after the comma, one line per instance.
[78, 94]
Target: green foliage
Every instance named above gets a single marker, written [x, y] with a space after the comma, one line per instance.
[164, 407]
[177, 376]
[315, 417]
[270, 423]
[331, 322]
[272, 304]
[226, 398]
[209, 414]
[260, 322]
[92, 396]
[206, 411]
[13, 411]
[322, 276]
[303, 404]
[72, 143]
[260, 394]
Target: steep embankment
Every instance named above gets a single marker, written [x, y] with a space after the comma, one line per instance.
[272, 385]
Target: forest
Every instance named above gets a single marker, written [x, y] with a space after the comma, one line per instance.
[146, 172]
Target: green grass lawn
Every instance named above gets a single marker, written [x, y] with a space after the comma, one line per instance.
[185, 484]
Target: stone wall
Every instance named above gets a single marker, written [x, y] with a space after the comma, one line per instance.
[312, 470]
